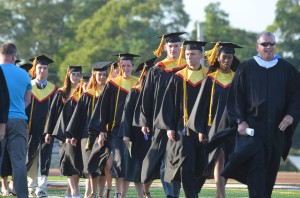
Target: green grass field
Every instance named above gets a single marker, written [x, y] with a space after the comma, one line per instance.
[157, 192]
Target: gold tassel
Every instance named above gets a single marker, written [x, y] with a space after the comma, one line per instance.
[30, 118]
[179, 61]
[88, 142]
[142, 74]
[185, 98]
[158, 51]
[33, 68]
[211, 55]
[211, 100]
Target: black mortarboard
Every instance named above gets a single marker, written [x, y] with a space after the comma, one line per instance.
[227, 47]
[17, 61]
[148, 64]
[42, 59]
[101, 66]
[86, 76]
[26, 66]
[114, 65]
[75, 68]
[172, 37]
[169, 38]
[126, 56]
[194, 45]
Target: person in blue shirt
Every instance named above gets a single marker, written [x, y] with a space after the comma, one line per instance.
[15, 139]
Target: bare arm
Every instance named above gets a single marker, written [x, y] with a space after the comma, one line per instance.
[27, 98]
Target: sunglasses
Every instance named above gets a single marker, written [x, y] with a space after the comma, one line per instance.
[265, 44]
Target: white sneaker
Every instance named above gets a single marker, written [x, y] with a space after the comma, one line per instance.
[41, 193]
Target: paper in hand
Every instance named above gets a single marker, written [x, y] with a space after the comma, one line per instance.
[129, 145]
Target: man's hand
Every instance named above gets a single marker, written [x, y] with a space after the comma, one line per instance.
[171, 135]
[286, 121]
[2, 131]
[202, 137]
[48, 138]
[146, 130]
[126, 140]
[102, 138]
[242, 128]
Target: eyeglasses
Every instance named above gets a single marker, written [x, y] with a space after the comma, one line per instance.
[265, 44]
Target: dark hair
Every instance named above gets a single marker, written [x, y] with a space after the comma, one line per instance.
[235, 63]
[8, 49]
[67, 86]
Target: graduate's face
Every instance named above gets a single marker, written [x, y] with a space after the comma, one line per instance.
[193, 57]
[127, 67]
[264, 47]
[41, 72]
[115, 72]
[75, 77]
[173, 50]
[101, 77]
[225, 60]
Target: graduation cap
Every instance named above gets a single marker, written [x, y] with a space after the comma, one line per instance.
[42, 59]
[146, 64]
[26, 66]
[114, 65]
[126, 56]
[226, 47]
[86, 76]
[190, 45]
[75, 68]
[194, 45]
[101, 66]
[17, 61]
[169, 38]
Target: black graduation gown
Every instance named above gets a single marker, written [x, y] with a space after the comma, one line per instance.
[140, 146]
[185, 152]
[37, 112]
[200, 113]
[262, 97]
[150, 99]
[71, 157]
[110, 122]
[78, 125]
[4, 98]
[54, 112]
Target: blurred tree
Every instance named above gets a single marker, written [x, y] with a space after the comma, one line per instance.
[84, 32]
[125, 26]
[288, 30]
[217, 28]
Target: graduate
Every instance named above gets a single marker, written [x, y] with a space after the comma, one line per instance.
[184, 151]
[210, 105]
[137, 144]
[71, 164]
[78, 125]
[151, 99]
[94, 159]
[39, 153]
[71, 81]
[111, 110]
